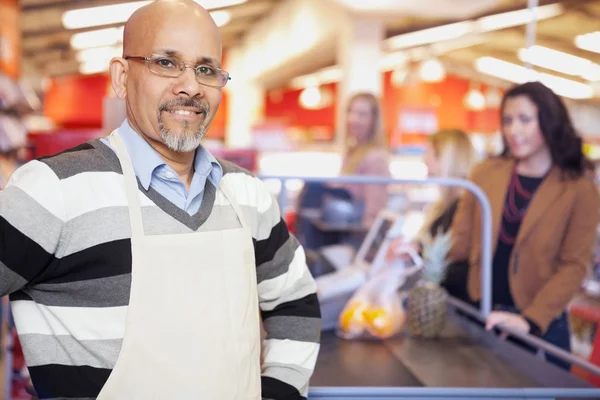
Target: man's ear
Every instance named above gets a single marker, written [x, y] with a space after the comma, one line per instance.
[119, 69]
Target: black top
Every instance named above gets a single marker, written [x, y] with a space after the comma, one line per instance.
[518, 196]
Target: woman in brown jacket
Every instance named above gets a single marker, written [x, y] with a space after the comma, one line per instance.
[545, 213]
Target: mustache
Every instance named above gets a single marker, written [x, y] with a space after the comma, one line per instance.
[193, 103]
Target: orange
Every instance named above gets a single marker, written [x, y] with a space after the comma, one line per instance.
[384, 323]
[351, 319]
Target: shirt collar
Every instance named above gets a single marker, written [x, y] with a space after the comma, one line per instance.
[145, 159]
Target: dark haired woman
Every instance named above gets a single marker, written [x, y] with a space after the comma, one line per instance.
[545, 211]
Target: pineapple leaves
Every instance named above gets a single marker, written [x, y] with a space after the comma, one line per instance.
[435, 253]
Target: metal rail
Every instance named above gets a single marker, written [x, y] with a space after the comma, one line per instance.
[486, 215]
[534, 341]
[363, 393]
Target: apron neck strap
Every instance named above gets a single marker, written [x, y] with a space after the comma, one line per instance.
[131, 185]
[228, 193]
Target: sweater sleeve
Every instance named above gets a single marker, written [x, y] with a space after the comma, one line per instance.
[289, 305]
[31, 222]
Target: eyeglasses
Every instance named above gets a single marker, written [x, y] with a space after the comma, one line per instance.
[173, 67]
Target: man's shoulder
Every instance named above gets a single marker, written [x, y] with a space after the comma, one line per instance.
[92, 156]
[231, 168]
[248, 188]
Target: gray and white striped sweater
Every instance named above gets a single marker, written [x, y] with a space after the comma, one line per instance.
[65, 258]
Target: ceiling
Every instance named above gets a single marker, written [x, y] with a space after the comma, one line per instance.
[564, 21]
[46, 42]
[557, 33]
[47, 50]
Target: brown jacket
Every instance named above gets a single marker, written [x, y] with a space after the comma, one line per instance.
[553, 248]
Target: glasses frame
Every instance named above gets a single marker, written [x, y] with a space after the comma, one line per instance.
[153, 57]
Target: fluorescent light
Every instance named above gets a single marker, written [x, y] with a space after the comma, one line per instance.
[504, 70]
[100, 54]
[561, 62]
[93, 67]
[589, 42]
[102, 15]
[519, 74]
[592, 74]
[478, 26]
[221, 18]
[119, 13]
[321, 77]
[566, 87]
[519, 17]
[212, 4]
[392, 61]
[431, 35]
[98, 38]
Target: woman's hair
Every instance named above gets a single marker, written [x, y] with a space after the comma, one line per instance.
[455, 156]
[556, 127]
[377, 136]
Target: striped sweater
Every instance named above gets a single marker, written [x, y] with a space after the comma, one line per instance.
[65, 259]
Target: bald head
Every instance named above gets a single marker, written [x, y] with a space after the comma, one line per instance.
[167, 104]
[145, 24]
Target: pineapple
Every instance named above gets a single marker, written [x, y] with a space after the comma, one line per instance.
[428, 301]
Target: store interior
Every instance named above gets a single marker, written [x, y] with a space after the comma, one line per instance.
[436, 64]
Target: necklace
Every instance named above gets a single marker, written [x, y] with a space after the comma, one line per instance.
[512, 213]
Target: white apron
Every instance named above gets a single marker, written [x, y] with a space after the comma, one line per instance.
[192, 327]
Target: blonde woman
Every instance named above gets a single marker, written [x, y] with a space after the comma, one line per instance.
[366, 153]
[448, 154]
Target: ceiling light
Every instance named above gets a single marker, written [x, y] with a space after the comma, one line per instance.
[592, 74]
[392, 61]
[474, 100]
[519, 74]
[310, 98]
[98, 38]
[566, 87]
[431, 35]
[589, 42]
[561, 62]
[100, 54]
[432, 70]
[481, 25]
[221, 18]
[119, 13]
[212, 4]
[102, 15]
[504, 70]
[93, 67]
[519, 17]
[321, 77]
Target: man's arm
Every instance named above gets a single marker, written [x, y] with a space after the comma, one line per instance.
[31, 221]
[289, 305]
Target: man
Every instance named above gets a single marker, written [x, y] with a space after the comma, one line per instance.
[137, 262]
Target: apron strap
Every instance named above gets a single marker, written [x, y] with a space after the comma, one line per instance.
[236, 207]
[131, 185]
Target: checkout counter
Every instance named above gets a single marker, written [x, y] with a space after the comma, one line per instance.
[465, 362]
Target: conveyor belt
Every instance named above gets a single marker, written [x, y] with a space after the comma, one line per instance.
[359, 363]
[454, 360]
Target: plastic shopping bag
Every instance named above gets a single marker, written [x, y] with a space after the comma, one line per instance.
[376, 309]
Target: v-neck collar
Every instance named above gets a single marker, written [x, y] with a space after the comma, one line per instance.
[194, 221]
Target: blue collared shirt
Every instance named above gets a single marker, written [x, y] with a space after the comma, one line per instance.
[153, 171]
